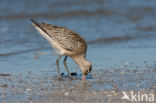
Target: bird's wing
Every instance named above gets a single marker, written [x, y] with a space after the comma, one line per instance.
[66, 38]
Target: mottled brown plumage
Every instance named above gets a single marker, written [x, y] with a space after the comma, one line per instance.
[65, 42]
[66, 38]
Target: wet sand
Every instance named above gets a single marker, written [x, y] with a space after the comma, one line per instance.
[121, 46]
[103, 86]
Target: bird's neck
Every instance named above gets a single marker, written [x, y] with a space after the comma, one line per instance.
[80, 60]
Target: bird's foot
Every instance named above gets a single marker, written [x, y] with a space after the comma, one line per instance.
[72, 76]
[69, 75]
[59, 78]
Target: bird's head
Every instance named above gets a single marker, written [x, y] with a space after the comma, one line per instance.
[86, 68]
[84, 64]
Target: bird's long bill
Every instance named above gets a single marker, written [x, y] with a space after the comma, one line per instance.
[83, 77]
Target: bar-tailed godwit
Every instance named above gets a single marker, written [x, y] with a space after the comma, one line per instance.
[68, 43]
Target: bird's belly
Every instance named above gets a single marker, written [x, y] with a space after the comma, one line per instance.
[56, 46]
[58, 49]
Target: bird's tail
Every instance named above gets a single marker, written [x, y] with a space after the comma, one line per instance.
[35, 22]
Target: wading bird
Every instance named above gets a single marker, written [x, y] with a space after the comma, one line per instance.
[66, 43]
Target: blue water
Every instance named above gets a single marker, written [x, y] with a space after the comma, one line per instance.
[20, 44]
[121, 36]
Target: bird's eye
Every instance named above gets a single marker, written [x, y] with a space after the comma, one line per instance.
[87, 71]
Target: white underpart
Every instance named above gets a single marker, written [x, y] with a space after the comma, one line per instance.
[58, 49]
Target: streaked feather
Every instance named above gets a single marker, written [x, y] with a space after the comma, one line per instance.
[66, 38]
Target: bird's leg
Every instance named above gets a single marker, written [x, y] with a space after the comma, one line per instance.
[64, 62]
[58, 67]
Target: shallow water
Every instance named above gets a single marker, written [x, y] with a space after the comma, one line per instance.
[120, 35]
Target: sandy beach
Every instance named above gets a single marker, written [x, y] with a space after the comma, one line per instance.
[106, 86]
[121, 37]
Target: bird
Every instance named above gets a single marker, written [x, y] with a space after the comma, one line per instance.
[66, 43]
